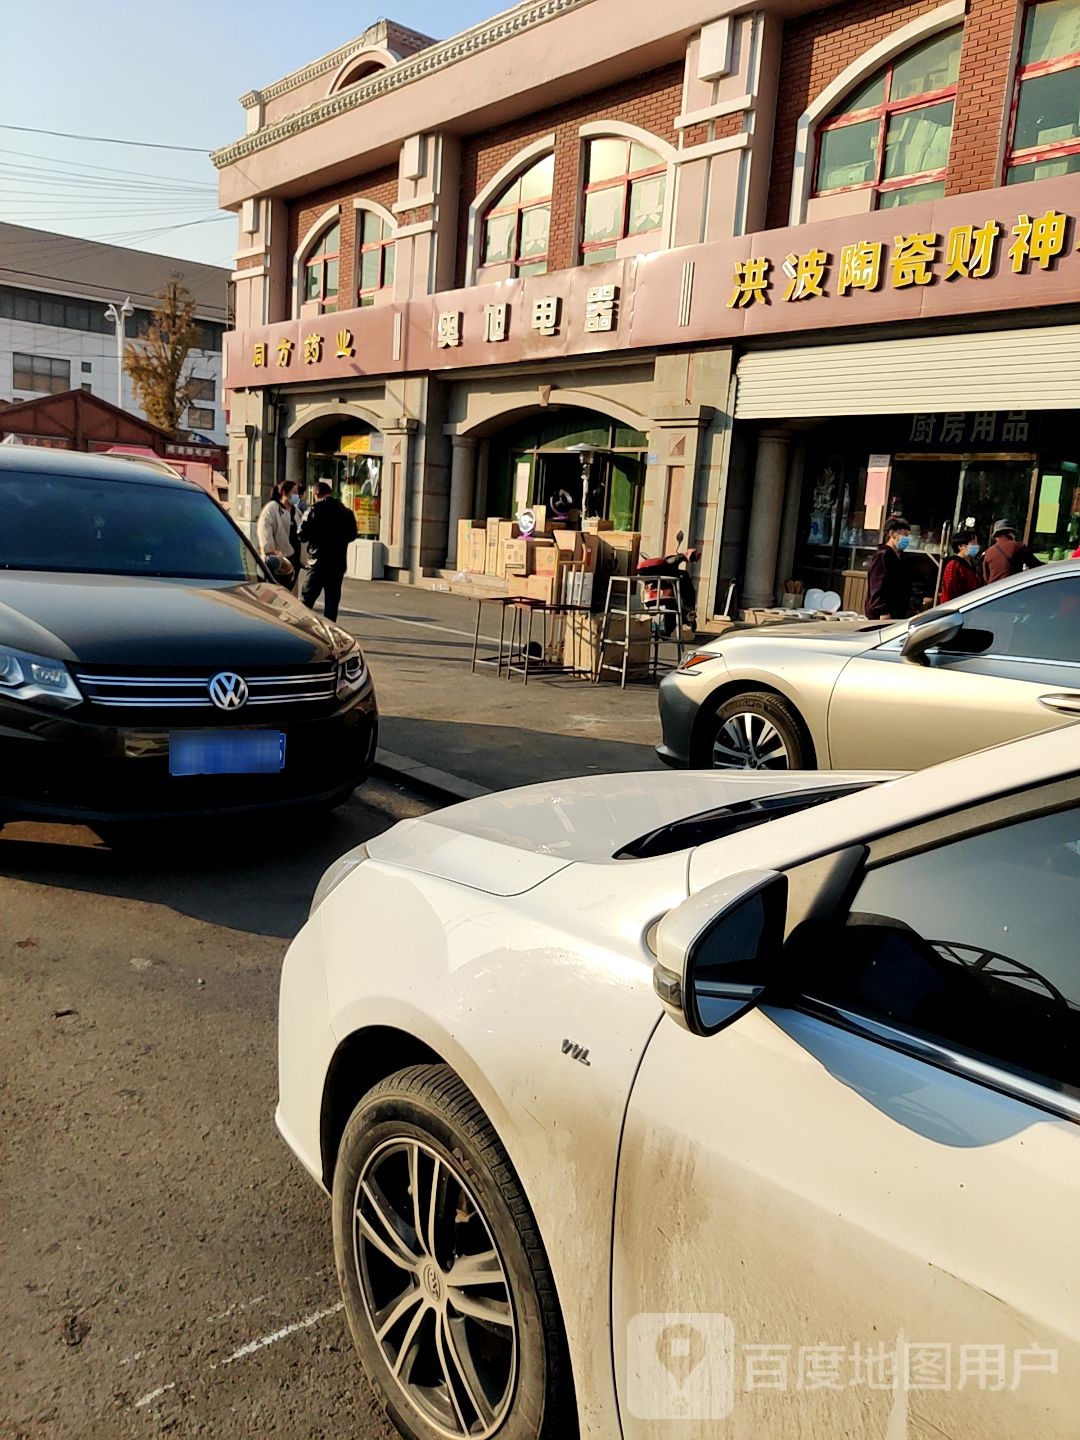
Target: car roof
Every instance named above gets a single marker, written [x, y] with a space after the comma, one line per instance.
[35, 460]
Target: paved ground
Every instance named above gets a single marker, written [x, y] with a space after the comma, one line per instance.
[495, 732]
[157, 1241]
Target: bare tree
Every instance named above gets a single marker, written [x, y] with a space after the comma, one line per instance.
[155, 362]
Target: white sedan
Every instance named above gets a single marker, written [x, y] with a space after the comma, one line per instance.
[746, 1102]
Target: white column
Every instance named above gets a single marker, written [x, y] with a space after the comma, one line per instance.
[789, 534]
[462, 491]
[766, 513]
[294, 460]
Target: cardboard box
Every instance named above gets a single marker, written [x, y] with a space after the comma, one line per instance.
[517, 585]
[543, 558]
[464, 530]
[619, 552]
[515, 557]
[568, 543]
[590, 549]
[581, 646]
[508, 530]
[594, 524]
[476, 553]
[543, 587]
[491, 565]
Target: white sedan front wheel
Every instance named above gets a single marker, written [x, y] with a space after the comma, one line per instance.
[445, 1281]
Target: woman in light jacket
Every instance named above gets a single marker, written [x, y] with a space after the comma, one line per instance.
[275, 542]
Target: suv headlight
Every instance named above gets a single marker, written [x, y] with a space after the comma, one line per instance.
[336, 873]
[35, 677]
[351, 672]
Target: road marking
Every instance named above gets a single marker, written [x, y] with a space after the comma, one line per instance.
[155, 1394]
[424, 624]
[232, 1310]
[253, 1345]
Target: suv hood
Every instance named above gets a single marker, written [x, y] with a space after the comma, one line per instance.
[122, 620]
[511, 841]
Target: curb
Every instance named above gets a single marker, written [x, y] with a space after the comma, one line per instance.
[451, 788]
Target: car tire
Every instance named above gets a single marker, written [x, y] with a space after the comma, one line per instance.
[421, 1133]
[756, 731]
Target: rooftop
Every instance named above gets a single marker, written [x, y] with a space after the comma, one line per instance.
[90, 269]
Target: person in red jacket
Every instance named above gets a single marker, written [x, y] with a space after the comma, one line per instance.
[961, 575]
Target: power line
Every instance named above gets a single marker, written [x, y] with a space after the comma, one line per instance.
[83, 166]
[107, 140]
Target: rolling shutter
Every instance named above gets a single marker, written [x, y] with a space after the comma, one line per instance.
[1036, 369]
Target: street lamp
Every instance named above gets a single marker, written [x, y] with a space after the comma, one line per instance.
[585, 454]
[118, 315]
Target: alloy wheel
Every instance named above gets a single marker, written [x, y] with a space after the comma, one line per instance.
[435, 1289]
[749, 741]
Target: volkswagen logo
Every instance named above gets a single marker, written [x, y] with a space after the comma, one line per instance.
[228, 691]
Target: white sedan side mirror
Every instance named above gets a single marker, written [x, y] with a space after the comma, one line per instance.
[718, 952]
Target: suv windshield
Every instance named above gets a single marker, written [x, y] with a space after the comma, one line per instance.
[81, 524]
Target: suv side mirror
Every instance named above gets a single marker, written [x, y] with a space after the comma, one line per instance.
[718, 952]
[930, 631]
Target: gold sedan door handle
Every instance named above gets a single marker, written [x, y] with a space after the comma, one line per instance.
[1067, 702]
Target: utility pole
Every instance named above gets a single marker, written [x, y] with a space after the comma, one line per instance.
[118, 315]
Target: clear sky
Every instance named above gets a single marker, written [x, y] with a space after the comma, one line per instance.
[151, 70]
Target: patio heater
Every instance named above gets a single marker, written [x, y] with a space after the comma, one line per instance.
[586, 454]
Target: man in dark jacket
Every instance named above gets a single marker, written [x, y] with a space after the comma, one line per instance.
[888, 591]
[1005, 555]
[328, 531]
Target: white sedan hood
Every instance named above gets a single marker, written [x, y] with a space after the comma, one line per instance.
[513, 840]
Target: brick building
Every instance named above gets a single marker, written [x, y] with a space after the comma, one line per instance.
[781, 269]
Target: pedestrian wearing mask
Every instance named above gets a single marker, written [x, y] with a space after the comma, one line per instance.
[274, 537]
[961, 575]
[290, 499]
[1005, 555]
[888, 591]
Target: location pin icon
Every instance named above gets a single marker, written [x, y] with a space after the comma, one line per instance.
[680, 1349]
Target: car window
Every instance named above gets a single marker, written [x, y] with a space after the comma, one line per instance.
[118, 527]
[1035, 622]
[974, 945]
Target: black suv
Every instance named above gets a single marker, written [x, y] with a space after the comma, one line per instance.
[149, 665]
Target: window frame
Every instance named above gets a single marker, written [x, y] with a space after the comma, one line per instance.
[517, 208]
[1012, 807]
[883, 113]
[310, 260]
[366, 295]
[31, 364]
[625, 181]
[1057, 149]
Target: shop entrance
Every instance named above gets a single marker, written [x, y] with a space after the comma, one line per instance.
[534, 462]
[969, 492]
[349, 458]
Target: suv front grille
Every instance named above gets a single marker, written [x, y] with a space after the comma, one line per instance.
[173, 692]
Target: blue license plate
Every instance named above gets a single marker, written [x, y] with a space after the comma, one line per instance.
[226, 752]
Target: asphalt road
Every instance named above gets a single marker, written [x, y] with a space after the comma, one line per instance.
[167, 1266]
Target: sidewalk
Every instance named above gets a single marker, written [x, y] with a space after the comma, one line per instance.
[489, 733]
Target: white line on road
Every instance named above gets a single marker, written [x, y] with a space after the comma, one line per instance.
[424, 624]
[154, 1394]
[282, 1334]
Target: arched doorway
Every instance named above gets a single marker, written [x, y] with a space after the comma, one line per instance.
[532, 460]
[348, 454]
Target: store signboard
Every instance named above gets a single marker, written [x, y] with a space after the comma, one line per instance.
[878, 473]
[995, 251]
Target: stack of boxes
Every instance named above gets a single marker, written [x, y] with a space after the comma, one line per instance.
[558, 565]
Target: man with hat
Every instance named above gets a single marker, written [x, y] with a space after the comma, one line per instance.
[1005, 555]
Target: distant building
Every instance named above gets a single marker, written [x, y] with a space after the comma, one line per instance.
[54, 290]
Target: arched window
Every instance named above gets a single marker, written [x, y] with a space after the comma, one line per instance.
[891, 136]
[1046, 118]
[517, 223]
[375, 237]
[320, 277]
[624, 195]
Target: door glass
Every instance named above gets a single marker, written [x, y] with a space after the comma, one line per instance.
[973, 944]
[995, 490]
[1036, 622]
[924, 492]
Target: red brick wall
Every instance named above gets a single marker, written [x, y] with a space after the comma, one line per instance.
[652, 102]
[379, 186]
[983, 95]
[818, 47]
